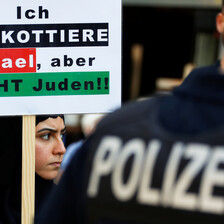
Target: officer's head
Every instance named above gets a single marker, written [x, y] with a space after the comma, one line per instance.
[220, 28]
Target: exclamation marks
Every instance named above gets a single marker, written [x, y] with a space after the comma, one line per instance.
[106, 82]
[99, 83]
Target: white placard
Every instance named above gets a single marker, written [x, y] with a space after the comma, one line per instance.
[60, 56]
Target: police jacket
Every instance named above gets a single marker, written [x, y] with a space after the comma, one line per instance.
[155, 161]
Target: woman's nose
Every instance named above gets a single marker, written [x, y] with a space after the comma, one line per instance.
[59, 147]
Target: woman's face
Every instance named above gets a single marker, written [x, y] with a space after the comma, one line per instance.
[49, 147]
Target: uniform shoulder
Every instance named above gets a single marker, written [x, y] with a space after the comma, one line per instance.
[129, 113]
[210, 69]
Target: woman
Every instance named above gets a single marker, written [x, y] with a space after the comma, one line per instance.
[49, 151]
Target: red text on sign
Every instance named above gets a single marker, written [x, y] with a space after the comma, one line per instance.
[17, 60]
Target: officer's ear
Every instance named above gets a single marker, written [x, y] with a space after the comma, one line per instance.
[220, 22]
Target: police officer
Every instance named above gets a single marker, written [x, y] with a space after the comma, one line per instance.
[156, 161]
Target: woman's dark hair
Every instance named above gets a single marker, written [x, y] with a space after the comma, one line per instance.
[40, 118]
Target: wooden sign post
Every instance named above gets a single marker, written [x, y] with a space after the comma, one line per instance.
[28, 169]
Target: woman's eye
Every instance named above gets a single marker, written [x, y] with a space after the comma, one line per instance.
[62, 136]
[45, 137]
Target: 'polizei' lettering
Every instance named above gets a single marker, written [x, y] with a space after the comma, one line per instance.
[111, 159]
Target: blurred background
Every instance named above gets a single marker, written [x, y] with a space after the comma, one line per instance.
[162, 41]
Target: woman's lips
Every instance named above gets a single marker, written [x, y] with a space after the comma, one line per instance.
[56, 164]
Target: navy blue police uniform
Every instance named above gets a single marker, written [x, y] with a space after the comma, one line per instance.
[155, 161]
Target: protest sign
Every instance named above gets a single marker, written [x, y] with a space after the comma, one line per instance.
[60, 57]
